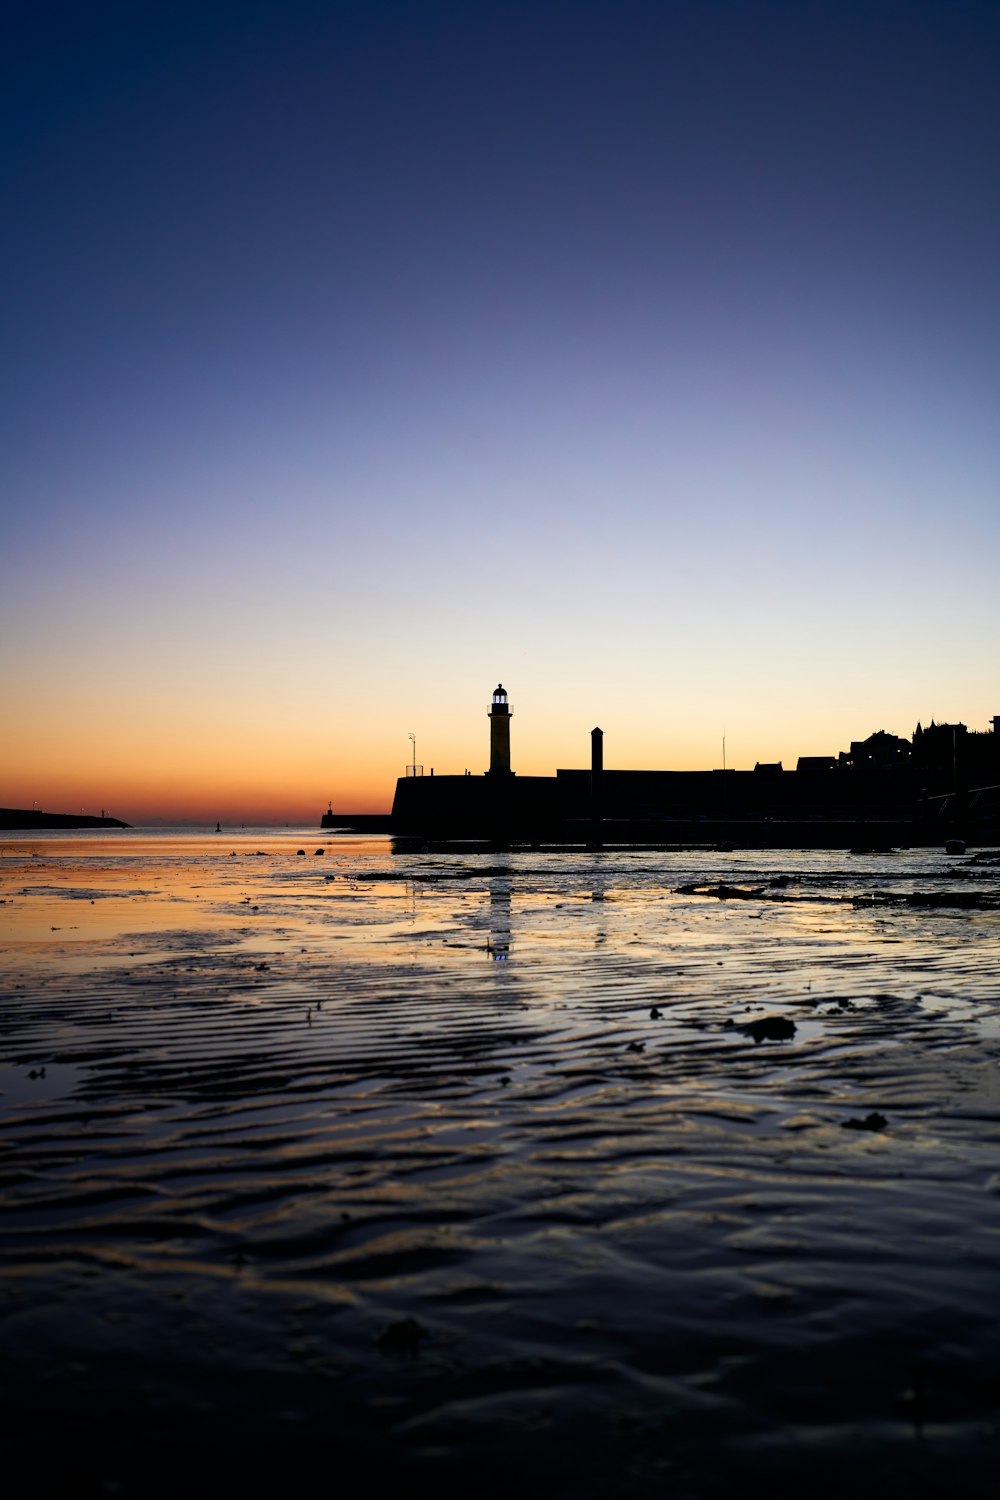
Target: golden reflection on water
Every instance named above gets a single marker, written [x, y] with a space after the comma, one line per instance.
[515, 1110]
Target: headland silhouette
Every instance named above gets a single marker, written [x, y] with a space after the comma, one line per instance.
[27, 818]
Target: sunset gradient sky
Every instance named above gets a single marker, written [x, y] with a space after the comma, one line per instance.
[358, 355]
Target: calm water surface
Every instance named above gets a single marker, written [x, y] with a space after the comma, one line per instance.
[449, 1160]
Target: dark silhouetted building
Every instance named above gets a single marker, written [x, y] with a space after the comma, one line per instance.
[826, 800]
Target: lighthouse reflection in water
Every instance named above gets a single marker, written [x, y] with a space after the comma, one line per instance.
[498, 946]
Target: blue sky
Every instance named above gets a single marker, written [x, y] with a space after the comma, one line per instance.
[357, 355]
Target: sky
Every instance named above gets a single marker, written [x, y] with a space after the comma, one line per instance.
[359, 355]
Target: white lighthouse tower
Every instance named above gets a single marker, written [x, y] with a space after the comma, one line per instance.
[499, 717]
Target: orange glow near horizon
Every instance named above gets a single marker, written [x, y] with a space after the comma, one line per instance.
[702, 448]
[227, 761]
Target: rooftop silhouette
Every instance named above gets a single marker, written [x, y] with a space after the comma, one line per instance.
[883, 790]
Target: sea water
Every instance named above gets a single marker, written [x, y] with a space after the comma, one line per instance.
[617, 1167]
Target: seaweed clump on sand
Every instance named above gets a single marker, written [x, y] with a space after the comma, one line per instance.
[766, 1029]
[955, 900]
[725, 892]
[402, 1338]
[775, 890]
[873, 1121]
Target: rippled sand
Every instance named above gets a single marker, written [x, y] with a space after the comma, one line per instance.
[477, 1169]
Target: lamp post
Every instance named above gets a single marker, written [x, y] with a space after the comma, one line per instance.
[412, 736]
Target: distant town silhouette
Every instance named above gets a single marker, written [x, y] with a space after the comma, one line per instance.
[884, 790]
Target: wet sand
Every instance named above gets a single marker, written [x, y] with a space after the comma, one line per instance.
[592, 1174]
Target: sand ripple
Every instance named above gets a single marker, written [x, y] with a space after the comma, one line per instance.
[482, 1163]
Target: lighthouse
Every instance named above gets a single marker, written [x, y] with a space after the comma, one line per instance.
[499, 717]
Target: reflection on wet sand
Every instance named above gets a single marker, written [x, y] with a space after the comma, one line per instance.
[679, 1189]
[499, 944]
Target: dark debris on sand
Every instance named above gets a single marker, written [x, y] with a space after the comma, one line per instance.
[873, 1121]
[766, 1029]
[775, 891]
[402, 1338]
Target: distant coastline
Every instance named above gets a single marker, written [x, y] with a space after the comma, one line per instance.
[22, 817]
